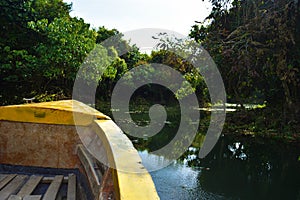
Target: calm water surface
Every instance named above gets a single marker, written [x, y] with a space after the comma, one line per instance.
[237, 168]
[178, 181]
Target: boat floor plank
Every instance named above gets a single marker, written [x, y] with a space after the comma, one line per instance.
[12, 187]
[27, 197]
[53, 189]
[2, 176]
[22, 187]
[30, 185]
[71, 193]
[48, 180]
[14, 197]
[33, 197]
[6, 180]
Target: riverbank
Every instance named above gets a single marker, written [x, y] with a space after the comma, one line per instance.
[257, 122]
[261, 123]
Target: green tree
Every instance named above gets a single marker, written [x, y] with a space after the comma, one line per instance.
[19, 71]
[254, 44]
[68, 41]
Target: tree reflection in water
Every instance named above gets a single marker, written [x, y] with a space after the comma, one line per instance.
[252, 168]
[239, 167]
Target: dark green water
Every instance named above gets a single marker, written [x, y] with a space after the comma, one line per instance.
[239, 167]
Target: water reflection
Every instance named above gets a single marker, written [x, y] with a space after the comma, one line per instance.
[245, 169]
[177, 181]
[252, 169]
[239, 167]
[237, 150]
[153, 162]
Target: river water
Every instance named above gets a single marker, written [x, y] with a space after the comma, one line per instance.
[237, 168]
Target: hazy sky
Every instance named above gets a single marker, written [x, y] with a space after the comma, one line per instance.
[127, 15]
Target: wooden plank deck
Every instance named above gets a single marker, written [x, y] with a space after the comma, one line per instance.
[29, 186]
[6, 179]
[71, 194]
[21, 187]
[12, 187]
[53, 189]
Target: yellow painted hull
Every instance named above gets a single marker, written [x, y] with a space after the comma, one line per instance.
[49, 135]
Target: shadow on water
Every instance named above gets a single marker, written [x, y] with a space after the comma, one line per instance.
[252, 168]
[238, 167]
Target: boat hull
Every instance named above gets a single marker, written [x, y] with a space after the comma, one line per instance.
[71, 135]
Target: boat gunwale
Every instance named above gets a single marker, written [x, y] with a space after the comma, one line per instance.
[131, 179]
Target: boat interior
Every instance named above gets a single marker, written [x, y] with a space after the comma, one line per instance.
[30, 177]
[67, 150]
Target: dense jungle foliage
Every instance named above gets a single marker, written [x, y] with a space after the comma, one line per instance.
[255, 44]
